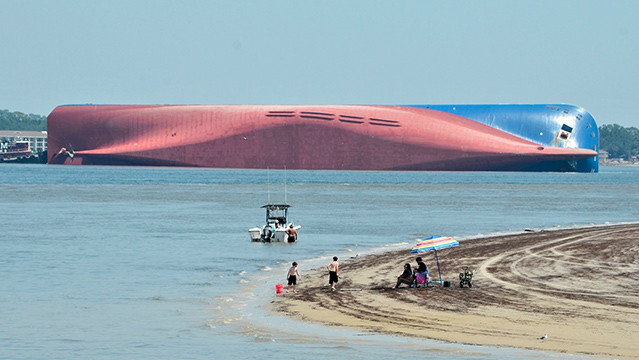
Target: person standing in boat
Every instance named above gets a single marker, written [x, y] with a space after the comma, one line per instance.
[333, 273]
[292, 234]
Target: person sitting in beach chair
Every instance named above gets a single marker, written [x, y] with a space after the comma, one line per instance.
[421, 280]
[421, 273]
[406, 277]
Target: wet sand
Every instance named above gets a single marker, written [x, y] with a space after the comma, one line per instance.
[579, 286]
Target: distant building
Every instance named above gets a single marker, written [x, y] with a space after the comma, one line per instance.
[37, 139]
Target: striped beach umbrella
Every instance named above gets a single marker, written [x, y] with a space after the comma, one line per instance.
[434, 243]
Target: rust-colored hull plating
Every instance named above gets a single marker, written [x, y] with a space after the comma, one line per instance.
[342, 137]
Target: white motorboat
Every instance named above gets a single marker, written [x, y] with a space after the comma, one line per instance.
[276, 225]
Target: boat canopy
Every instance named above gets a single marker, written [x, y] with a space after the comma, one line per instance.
[276, 206]
[276, 214]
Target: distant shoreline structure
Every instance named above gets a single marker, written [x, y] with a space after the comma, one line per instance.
[617, 162]
[546, 137]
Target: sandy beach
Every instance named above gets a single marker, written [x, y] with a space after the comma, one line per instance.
[579, 286]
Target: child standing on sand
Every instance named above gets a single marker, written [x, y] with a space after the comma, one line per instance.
[292, 276]
[333, 273]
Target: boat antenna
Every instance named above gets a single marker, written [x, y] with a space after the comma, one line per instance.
[285, 202]
[268, 186]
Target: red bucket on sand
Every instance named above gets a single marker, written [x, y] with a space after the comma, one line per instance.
[279, 289]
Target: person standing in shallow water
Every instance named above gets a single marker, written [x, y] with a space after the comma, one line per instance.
[333, 273]
[292, 234]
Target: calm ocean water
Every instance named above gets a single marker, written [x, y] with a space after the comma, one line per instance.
[137, 263]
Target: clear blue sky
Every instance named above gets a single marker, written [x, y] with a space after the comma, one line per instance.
[321, 52]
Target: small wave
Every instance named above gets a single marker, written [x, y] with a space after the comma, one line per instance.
[229, 320]
[264, 338]
[219, 299]
[199, 284]
[242, 281]
[242, 273]
[71, 340]
[487, 235]
[342, 347]
[266, 268]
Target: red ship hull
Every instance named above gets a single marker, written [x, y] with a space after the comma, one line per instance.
[346, 137]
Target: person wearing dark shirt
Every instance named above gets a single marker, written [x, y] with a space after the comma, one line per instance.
[406, 277]
[421, 269]
[421, 266]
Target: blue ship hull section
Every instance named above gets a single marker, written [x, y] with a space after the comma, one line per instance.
[559, 125]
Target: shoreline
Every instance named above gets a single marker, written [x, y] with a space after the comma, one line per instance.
[579, 285]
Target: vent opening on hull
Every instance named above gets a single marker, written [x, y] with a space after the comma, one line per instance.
[351, 121]
[280, 114]
[351, 117]
[384, 124]
[316, 117]
[385, 120]
[316, 113]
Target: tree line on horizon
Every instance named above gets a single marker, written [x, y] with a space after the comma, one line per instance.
[15, 120]
[620, 142]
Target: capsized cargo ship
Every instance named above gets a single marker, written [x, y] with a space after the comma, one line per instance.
[542, 137]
